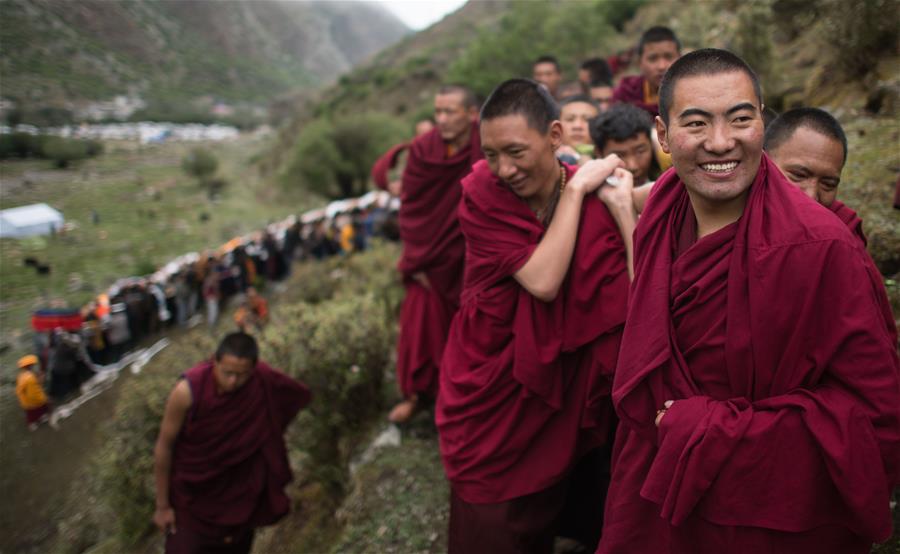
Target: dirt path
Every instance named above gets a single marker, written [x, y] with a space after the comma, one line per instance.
[39, 468]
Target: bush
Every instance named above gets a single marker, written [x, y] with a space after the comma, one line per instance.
[340, 349]
[19, 145]
[63, 151]
[200, 163]
[334, 157]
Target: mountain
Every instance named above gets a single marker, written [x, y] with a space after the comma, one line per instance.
[60, 52]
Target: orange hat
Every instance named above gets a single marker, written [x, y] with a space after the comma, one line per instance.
[28, 360]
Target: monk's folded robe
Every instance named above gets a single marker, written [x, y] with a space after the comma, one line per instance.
[525, 384]
[433, 245]
[785, 432]
[635, 90]
[229, 463]
[385, 163]
[854, 223]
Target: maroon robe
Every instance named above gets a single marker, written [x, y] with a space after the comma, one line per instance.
[433, 245]
[385, 163]
[785, 432]
[854, 223]
[524, 383]
[631, 91]
[230, 466]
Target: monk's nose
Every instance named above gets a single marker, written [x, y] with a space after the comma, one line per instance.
[719, 139]
[507, 169]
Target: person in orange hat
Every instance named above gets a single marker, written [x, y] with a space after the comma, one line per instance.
[30, 391]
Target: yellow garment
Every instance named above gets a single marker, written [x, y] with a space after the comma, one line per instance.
[347, 238]
[649, 97]
[29, 390]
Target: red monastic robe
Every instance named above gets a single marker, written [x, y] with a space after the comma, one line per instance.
[785, 432]
[385, 163]
[432, 244]
[854, 223]
[631, 91]
[230, 466]
[524, 383]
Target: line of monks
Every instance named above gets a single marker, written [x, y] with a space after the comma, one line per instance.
[704, 363]
[741, 394]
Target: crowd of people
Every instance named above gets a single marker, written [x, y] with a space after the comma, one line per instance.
[644, 320]
[72, 345]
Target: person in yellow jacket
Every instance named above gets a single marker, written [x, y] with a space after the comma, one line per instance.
[31, 393]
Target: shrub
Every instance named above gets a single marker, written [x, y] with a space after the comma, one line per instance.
[340, 349]
[858, 33]
[63, 151]
[334, 157]
[200, 163]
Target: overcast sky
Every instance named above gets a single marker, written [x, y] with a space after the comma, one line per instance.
[419, 14]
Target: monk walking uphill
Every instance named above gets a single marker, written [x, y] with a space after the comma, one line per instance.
[433, 248]
[757, 386]
[221, 463]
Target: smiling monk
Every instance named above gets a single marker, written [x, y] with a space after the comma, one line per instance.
[526, 374]
[758, 390]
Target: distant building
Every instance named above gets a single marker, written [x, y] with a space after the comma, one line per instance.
[27, 221]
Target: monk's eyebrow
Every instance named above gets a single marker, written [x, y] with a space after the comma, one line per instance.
[741, 107]
[694, 111]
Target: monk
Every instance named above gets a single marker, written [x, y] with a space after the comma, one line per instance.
[526, 374]
[809, 146]
[388, 169]
[625, 130]
[657, 50]
[545, 70]
[576, 113]
[220, 460]
[757, 388]
[433, 248]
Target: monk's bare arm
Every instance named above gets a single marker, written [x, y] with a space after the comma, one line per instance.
[173, 418]
[640, 196]
[619, 201]
[543, 273]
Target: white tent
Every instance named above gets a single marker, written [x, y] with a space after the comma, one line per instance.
[26, 221]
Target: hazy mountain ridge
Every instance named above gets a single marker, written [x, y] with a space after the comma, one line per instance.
[57, 51]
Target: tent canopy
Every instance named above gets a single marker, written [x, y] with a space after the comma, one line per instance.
[26, 221]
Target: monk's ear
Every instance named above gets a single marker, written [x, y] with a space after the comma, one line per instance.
[555, 133]
[662, 135]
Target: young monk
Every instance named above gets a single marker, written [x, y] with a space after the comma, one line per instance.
[758, 390]
[657, 50]
[433, 246]
[809, 146]
[526, 372]
[624, 130]
[220, 459]
[576, 114]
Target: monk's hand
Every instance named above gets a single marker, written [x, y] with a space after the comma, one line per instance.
[164, 518]
[660, 413]
[620, 195]
[395, 187]
[594, 173]
[422, 279]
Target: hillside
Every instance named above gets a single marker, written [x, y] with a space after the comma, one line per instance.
[62, 54]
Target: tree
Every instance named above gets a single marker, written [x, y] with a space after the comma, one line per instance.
[334, 157]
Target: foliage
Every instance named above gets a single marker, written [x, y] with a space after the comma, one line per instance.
[530, 29]
[858, 33]
[340, 348]
[334, 156]
[63, 151]
[200, 163]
